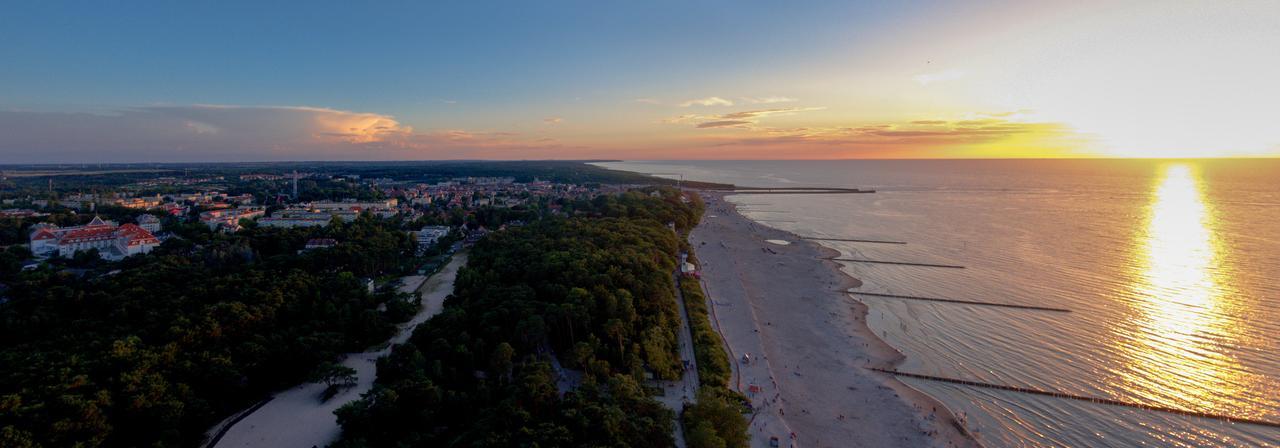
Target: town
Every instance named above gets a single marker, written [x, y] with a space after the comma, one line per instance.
[59, 223]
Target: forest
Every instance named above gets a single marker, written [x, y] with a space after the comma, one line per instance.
[549, 339]
[18, 181]
[153, 350]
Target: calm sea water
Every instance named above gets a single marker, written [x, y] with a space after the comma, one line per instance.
[1169, 267]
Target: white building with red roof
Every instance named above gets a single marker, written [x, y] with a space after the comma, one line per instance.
[113, 242]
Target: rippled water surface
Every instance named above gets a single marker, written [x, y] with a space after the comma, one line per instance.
[1169, 269]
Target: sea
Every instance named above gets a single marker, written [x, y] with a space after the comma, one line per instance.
[1168, 269]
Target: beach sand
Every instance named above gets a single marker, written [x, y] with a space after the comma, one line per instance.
[786, 307]
[297, 417]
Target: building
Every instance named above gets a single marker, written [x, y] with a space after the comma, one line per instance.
[149, 222]
[112, 242]
[174, 209]
[355, 205]
[320, 243]
[306, 218]
[229, 218]
[19, 213]
[142, 203]
[429, 235]
[475, 236]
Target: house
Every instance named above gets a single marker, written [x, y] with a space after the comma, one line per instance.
[174, 209]
[112, 242]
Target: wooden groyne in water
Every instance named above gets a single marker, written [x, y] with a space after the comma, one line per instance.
[966, 302]
[792, 190]
[1097, 400]
[901, 263]
[851, 240]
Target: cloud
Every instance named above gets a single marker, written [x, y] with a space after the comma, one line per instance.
[770, 112]
[735, 119]
[708, 101]
[648, 101]
[945, 75]
[770, 99]
[552, 120]
[723, 124]
[236, 133]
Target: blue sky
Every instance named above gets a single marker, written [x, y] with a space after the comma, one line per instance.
[573, 79]
[399, 55]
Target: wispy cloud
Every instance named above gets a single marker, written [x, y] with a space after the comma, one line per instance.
[921, 137]
[723, 124]
[648, 101]
[735, 119]
[552, 120]
[945, 75]
[708, 101]
[769, 99]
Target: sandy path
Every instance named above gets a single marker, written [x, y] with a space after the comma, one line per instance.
[808, 343]
[297, 417]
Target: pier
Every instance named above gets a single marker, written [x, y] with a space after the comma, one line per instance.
[965, 302]
[901, 263]
[851, 240]
[1097, 400]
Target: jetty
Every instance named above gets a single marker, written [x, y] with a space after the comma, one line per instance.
[1097, 400]
[965, 302]
[901, 263]
[851, 240]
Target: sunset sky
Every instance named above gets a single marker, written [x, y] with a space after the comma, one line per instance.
[227, 81]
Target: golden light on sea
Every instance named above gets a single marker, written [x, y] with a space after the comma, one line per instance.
[1181, 321]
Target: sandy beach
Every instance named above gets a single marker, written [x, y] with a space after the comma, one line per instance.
[297, 417]
[785, 307]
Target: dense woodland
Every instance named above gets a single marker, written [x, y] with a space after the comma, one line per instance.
[594, 294]
[153, 350]
[157, 348]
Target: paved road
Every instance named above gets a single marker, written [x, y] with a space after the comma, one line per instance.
[296, 417]
[677, 393]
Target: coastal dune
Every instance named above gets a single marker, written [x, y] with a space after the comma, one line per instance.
[807, 344]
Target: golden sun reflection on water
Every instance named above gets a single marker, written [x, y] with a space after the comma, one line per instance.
[1181, 321]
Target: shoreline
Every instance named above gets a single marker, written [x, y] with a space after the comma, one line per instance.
[823, 378]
